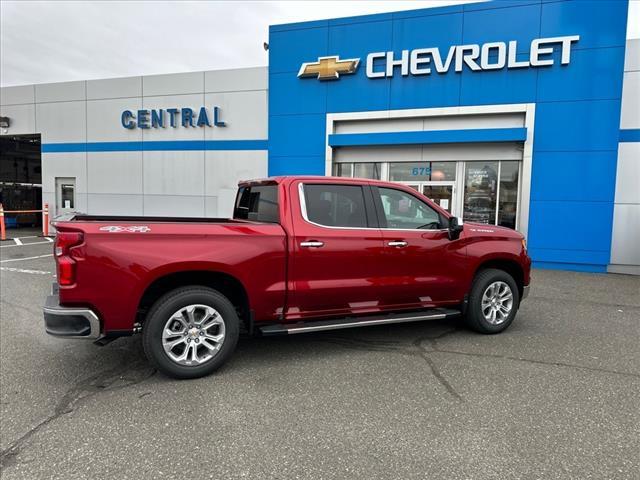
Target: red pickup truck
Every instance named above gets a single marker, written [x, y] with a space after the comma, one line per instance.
[301, 254]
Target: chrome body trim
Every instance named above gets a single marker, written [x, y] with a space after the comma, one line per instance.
[303, 208]
[337, 325]
[398, 244]
[312, 244]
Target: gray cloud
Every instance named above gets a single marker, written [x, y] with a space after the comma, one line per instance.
[68, 40]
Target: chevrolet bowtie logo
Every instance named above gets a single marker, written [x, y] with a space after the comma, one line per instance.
[328, 68]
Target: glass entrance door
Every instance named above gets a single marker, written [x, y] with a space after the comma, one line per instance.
[65, 195]
[442, 193]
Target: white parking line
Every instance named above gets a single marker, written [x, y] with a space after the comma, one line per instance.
[49, 239]
[17, 241]
[23, 270]
[26, 244]
[26, 258]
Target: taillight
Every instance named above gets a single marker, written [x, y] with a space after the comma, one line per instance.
[65, 262]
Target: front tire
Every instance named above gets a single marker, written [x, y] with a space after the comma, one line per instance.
[190, 332]
[493, 302]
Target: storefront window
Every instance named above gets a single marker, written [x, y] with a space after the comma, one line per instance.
[367, 170]
[343, 170]
[480, 192]
[489, 189]
[422, 171]
[358, 170]
[508, 194]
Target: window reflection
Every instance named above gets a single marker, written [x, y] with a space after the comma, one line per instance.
[480, 192]
[508, 203]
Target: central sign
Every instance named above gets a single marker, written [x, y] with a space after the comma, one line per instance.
[422, 61]
[171, 117]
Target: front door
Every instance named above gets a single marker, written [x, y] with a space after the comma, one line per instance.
[335, 251]
[65, 195]
[420, 265]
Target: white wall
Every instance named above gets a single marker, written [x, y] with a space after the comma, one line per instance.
[625, 248]
[183, 183]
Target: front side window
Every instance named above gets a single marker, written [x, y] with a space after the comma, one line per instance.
[258, 203]
[404, 211]
[335, 205]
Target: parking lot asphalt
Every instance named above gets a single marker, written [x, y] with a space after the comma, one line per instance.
[555, 396]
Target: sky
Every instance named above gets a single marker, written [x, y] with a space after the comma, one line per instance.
[55, 41]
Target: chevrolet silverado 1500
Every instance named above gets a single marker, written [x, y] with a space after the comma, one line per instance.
[301, 254]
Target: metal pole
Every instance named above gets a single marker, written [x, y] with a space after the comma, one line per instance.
[45, 220]
[3, 230]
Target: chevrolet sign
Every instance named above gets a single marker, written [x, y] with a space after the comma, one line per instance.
[422, 61]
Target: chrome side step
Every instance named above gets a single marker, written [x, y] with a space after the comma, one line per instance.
[352, 322]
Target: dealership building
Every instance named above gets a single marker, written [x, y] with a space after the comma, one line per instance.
[524, 114]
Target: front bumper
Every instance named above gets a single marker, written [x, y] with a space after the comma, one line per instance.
[525, 292]
[69, 322]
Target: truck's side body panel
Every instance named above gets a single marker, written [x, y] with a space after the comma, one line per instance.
[115, 268]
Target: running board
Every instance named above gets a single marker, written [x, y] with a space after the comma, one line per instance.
[352, 322]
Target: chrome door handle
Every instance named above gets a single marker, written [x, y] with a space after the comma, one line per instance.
[312, 244]
[398, 244]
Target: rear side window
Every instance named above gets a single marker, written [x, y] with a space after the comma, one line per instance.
[335, 205]
[258, 203]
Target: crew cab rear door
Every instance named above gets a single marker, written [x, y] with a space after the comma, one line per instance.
[336, 245]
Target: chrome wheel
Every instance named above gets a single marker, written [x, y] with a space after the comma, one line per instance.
[193, 335]
[497, 303]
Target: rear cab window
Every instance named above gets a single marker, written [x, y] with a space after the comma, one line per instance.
[258, 203]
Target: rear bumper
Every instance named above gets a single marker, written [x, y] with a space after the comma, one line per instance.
[525, 291]
[69, 322]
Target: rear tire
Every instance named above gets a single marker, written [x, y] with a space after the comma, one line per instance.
[190, 332]
[493, 302]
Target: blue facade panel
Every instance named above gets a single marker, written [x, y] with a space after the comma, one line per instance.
[497, 24]
[596, 172]
[355, 41]
[594, 74]
[296, 135]
[577, 111]
[599, 24]
[577, 126]
[289, 49]
[499, 86]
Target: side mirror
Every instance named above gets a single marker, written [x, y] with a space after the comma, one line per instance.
[456, 225]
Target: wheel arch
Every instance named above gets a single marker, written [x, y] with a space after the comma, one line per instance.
[223, 282]
[512, 267]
